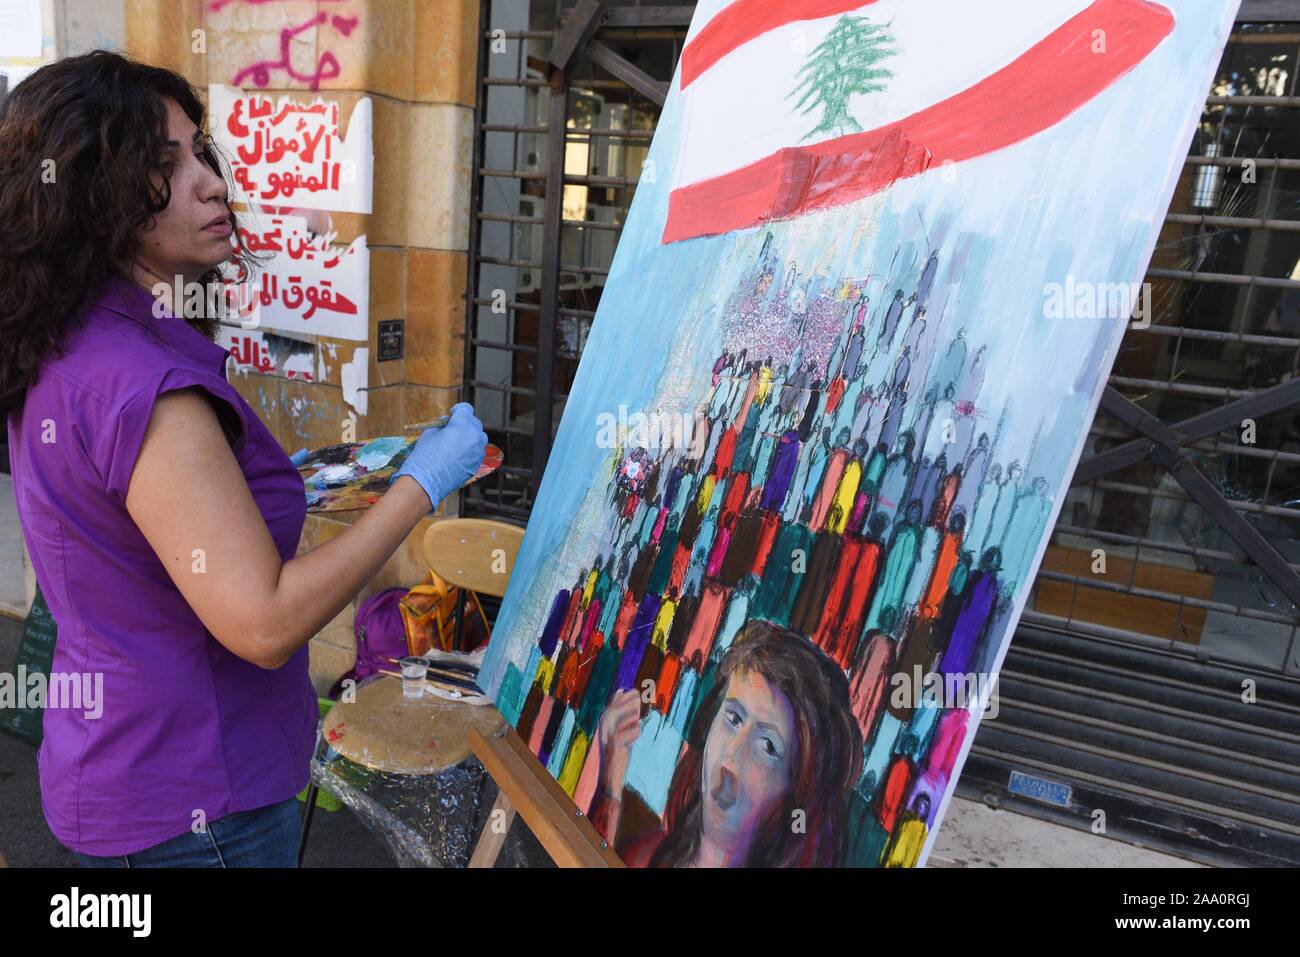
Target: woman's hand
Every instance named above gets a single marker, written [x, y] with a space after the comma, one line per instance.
[619, 728]
[445, 458]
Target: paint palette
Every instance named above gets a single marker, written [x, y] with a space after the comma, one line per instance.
[354, 475]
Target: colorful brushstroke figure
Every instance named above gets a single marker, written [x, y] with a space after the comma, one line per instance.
[701, 639]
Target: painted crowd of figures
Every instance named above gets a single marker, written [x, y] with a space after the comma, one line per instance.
[844, 512]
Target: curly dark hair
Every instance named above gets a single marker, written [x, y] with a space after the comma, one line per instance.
[827, 754]
[101, 119]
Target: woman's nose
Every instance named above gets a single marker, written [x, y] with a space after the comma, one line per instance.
[213, 185]
[729, 759]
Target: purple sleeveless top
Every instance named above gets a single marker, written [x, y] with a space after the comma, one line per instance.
[183, 725]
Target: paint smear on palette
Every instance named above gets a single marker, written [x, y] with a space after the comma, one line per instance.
[379, 453]
[354, 475]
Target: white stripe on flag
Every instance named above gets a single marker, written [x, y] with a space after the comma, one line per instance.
[742, 109]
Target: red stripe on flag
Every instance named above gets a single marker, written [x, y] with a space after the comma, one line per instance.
[1039, 89]
[746, 19]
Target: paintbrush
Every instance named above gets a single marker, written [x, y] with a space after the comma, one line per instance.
[456, 687]
[451, 668]
[448, 674]
[435, 424]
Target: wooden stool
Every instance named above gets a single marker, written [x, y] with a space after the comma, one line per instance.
[381, 731]
[405, 765]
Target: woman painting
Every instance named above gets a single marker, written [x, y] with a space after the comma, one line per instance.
[161, 515]
[770, 757]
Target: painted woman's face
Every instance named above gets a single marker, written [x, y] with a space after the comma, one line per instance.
[748, 761]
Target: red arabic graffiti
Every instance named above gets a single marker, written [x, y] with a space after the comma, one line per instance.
[327, 65]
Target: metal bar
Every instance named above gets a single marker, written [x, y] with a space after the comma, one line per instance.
[1214, 446]
[500, 387]
[475, 202]
[552, 214]
[590, 224]
[575, 179]
[1239, 530]
[522, 34]
[516, 263]
[514, 470]
[1178, 495]
[1138, 418]
[513, 173]
[579, 27]
[618, 134]
[511, 430]
[503, 346]
[1181, 388]
[525, 81]
[1197, 427]
[511, 128]
[1215, 335]
[1229, 161]
[1165, 449]
[1234, 222]
[577, 83]
[585, 270]
[639, 80]
[584, 180]
[1282, 101]
[661, 16]
[511, 218]
[1224, 278]
[513, 304]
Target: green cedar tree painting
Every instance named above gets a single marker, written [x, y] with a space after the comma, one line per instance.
[845, 64]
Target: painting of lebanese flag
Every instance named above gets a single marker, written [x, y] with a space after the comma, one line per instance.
[827, 414]
[984, 76]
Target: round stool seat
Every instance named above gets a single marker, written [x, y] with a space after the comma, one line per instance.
[386, 732]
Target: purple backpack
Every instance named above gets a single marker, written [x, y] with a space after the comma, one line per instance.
[381, 634]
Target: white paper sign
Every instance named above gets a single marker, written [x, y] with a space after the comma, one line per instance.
[20, 29]
[309, 285]
[288, 152]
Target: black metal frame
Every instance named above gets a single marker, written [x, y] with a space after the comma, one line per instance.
[1167, 446]
[575, 39]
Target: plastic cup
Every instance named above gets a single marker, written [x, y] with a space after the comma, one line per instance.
[414, 671]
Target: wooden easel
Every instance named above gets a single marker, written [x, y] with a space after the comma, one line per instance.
[528, 790]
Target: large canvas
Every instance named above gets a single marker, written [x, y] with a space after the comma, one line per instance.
[878, 265]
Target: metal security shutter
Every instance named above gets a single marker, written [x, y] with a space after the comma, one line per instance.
[1169, 589]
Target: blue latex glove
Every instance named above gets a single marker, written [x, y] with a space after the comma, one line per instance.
[444, 459]
[299, 457]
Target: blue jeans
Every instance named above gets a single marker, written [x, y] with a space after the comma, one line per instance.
[265, 837]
